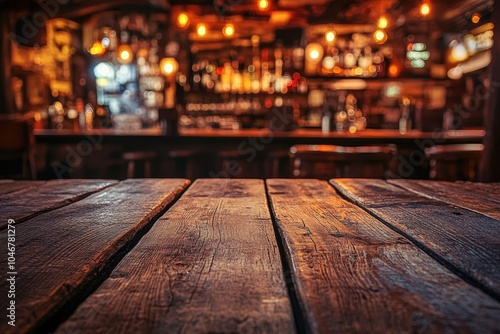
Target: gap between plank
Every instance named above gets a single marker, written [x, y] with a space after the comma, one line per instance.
[445, 263]
[50, 323]
[299, 317]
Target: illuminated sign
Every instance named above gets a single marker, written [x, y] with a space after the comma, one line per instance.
[417, 54]
[481, 42]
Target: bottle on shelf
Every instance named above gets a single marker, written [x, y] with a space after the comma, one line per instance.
[405, 121]
[326, 120]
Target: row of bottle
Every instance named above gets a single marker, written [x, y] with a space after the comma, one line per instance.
[75, 116]
[254, 73]
[347, 117]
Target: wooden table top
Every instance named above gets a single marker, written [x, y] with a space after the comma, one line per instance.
[250, 256]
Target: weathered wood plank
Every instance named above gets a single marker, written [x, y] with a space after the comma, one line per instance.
[465, 241]
[31, 201]
[62, 254]
[353, 274]
[210, 265]
[7, 187]
[471, 196]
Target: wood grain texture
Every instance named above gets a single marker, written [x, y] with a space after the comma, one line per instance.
[209, 265]
[61, 254]
[7, 187]
[465, 241]
[483, 198]
[353, 274]
[33, 200]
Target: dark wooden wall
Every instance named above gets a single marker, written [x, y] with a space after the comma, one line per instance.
[6, 96]
[489, 170]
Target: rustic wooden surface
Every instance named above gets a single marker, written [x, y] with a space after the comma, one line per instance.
[64, 253]
[33, 198]
[353, 274]
[209, 265]
[227, 256]
[8, 186]
[482, 198]
[466, 242]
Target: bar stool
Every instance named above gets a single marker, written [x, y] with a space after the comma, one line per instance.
[144, 157]
[184, 162]
[275, 164]
[330, 161]
[454, 162]
[16, 147]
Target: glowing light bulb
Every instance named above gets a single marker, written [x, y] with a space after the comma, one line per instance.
[425, 9]
[393, 70]
[314, 52]
[182, 20]
[125, 54]
[475, 18]
[228, 30]
[380, 36]
[330, 36]
[97, 49]
[383, 22]
[263, 4]
[459, 52]
[201, 29]
[169, 66]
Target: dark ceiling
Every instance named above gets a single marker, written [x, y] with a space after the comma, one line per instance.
[446, 14]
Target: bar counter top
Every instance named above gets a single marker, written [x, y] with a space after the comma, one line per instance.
[467, 135]
[314, 135]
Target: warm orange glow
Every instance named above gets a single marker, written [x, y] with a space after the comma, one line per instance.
[330, 36]
[201, 30]
[97, 49]
[169, 66]
[380, 36]
[383, 22]
[475, 18]
[228, 30]
[314, 52]
[263, 4]
[125, 54]
[425, 9]
[393, 70]
[183, 20]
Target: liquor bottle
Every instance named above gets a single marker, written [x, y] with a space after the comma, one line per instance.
[341, 114]
[326, 120]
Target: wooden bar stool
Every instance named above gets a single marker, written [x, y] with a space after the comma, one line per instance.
[454, 162]
[184, 162]
[131, 158]
[330, 161]
[275, 164]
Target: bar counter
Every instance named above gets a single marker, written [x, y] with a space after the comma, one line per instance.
[373, 135]
[250, 256]
[255, 149]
